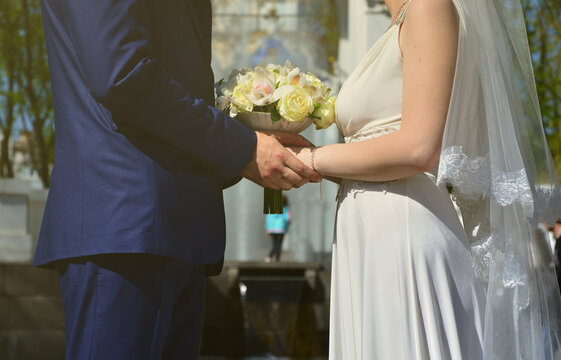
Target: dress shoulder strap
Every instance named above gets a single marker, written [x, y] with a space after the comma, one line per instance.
[401, 14]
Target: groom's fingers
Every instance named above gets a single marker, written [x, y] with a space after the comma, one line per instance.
[273, 166]
[293, 178]
[285, 184]
[301, 169]
[286, 174]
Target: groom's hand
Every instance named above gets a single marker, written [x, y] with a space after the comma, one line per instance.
[274, 167]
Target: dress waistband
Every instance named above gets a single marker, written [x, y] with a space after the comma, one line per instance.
[359, 186]
[369, 134]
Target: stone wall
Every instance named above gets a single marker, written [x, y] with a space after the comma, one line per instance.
[15, 240]
[31, 315]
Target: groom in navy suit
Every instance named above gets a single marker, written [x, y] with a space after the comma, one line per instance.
[135, 211]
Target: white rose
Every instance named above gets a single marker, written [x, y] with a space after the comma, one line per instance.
[324, 116]
[262, 88]
[295, 104]
[223, 103]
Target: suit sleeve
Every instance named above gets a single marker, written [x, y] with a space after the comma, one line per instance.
[112, 41]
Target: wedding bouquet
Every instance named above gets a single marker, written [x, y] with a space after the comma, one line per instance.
[276, 98]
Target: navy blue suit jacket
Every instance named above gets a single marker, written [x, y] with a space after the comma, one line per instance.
[141, 156]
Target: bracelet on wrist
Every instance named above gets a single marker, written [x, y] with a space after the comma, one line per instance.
[313, 157]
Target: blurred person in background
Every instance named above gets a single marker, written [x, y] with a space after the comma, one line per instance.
[557, 251]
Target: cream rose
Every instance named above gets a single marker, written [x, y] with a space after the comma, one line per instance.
[240, 99]
[324, 116]
[295, 104]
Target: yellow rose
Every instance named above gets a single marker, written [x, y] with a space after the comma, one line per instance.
[240, 100]
[324, 116]
[296, 104]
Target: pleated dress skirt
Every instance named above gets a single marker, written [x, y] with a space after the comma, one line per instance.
[403, 283]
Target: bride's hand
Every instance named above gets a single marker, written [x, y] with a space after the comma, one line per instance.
[304, 154]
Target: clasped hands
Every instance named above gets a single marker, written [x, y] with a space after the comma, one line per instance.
[277, 167]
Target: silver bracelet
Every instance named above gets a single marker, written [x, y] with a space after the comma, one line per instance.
[312, 157]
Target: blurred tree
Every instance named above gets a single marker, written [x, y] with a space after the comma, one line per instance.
[35, 84]
[543, 23]
[25, 85]
[330, 36]
[10, 42]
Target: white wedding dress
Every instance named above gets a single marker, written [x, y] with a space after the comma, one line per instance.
[403, 284]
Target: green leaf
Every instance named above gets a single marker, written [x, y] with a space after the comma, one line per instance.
[275, 116]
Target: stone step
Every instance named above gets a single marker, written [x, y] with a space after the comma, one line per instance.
[32, 345]
[27, 280]
[31, 313]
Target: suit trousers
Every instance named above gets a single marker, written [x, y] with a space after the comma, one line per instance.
[132, 306]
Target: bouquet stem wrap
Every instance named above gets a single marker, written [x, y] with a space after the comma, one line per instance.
[272, 203]
[261, 121]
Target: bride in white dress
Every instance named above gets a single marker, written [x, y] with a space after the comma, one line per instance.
[404, 284]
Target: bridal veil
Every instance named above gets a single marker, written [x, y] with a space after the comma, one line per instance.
[496, 160]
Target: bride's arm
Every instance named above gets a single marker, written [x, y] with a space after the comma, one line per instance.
[428, 40]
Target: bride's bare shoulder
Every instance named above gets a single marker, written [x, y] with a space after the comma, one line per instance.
[429, 21]
[434, 7]
[427, 13]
